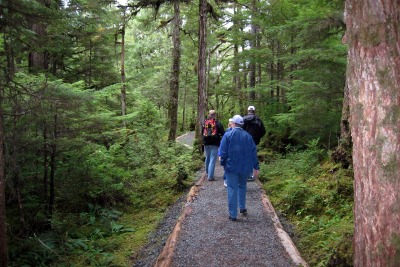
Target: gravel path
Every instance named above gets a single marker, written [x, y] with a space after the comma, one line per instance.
[186, 139]
[208, 238]
[202, 235]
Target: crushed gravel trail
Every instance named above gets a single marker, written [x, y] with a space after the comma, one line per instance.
[203, 236]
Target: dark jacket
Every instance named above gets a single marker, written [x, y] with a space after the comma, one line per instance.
[254, 126]
[213, 140]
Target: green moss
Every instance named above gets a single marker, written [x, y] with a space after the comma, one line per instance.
[395, 243]
[390, 169]
[383, 78]
[131, 243]
[370, 35]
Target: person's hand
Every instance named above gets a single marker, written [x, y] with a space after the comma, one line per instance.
[219, 158]
[255, 173]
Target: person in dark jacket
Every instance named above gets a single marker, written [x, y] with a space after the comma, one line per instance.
[238, 156]
[211, 144]
[255, 127]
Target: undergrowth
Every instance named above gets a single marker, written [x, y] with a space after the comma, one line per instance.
[316, 196]
[118, 216]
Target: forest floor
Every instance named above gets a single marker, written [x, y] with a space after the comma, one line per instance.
[196, 231]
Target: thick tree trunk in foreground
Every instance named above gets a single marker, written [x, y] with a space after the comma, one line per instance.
[201, 70]
[174, 85]
[373, 77]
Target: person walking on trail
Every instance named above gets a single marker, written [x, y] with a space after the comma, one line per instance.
[212, 131]
[255, 127]
[219, 150]
[239, 158]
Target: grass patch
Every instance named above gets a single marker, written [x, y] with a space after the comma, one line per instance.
[316, 196]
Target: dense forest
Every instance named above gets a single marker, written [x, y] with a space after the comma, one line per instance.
[94, 93]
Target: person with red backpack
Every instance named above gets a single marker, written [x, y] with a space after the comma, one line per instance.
[212, 131]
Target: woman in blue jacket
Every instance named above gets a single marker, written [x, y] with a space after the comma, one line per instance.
[238, 156]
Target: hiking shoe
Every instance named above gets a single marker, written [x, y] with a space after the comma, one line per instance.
[243, 211]
[225, 184]
[232, 219]
[251, 179]
[211, 179]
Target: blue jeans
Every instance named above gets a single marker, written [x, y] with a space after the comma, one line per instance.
[211, 159]
[237, 187]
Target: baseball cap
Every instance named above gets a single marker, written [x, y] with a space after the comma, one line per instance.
[237, 119]
[251, 108]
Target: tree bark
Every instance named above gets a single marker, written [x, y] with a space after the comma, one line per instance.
[53, 167]
[373, 77]
[15, 168]
[236, 63]
[253, 46]
[342, 152]
[45, 164]
[201, 71]
[3, 224]
[174, 84]
[123, 76]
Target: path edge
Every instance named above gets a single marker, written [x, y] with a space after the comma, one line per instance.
[286, 241]
[166, 255]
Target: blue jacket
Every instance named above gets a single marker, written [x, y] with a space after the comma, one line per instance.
[238, 152]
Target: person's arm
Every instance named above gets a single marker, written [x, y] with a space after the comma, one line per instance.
[220, 129]
[262, 129]
[222, 151]
[253, 149]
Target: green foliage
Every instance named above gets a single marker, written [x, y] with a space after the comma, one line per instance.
[316, 196]
[95, 162]
[64, 126]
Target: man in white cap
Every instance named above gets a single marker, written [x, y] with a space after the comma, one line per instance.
[238, 156]
[255, 127]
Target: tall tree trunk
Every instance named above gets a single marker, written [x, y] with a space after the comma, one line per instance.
[8, 48]
[236, 64]
[3, 224]
[45, 164]
[174, 84]
[253, 46]
[38, 60]
[278, 71]
[342, 152]
[123, 77]
[272, 66]
[53, 166]
[39, 57]
[89, 76]
[15, 167]
[237, 76]
[201, 71]
[373, 77]
[184, 108]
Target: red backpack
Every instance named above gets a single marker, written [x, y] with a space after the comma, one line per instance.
[210, 127]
